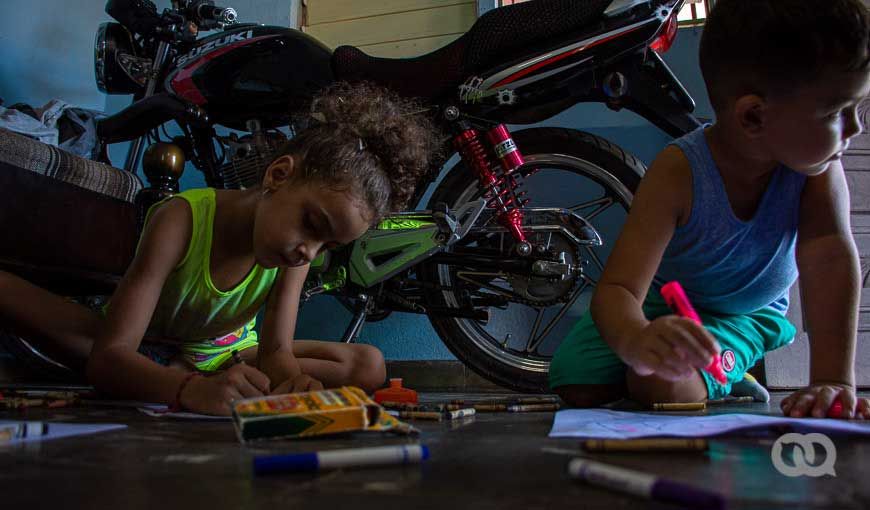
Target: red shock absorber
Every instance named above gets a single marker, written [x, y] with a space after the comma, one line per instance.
[501, 188]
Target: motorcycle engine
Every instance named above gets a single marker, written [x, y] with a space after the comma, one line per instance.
[247, 157]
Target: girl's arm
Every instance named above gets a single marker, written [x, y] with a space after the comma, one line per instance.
[275, 354]
[662, 201]
[830, 281]
[114, 365]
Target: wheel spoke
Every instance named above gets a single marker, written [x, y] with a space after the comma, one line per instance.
[535, 326]
[595, 258]
[533, 345]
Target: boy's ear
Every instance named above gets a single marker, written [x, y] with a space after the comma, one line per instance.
[750, 112]
[280, 171]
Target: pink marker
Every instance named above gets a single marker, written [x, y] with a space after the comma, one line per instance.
[836, 409]
[676, 298]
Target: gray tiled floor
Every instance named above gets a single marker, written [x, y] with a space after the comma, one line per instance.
[498, 461]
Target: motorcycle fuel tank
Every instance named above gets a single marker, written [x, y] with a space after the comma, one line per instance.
[252, 72]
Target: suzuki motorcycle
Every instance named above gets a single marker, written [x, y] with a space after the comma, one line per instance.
[505, 254]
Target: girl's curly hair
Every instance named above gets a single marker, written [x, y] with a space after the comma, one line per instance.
[365, 139]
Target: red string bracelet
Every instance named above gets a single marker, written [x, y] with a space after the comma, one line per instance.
[176, 405]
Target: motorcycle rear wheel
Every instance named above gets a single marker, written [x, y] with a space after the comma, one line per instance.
[589, 176]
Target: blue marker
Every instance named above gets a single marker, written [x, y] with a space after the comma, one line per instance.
[644, 485]
[353, 457]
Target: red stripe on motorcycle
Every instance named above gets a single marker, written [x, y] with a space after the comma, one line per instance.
[182, 82]
[559, 57]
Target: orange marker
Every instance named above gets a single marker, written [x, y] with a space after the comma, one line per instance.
[676, 298]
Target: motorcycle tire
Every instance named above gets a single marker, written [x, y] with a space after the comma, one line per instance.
[586, 156]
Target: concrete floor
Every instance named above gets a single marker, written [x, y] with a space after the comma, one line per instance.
[499, 461]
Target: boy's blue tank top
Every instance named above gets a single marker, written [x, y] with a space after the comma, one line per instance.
[727, 265]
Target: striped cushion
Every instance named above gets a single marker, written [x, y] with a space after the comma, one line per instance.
[23, 152]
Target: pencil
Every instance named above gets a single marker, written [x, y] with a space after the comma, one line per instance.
[645, 445]
[680, 406]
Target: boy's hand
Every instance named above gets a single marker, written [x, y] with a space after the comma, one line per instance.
[215, 394]
[301, 382]
[671, 347]
[816, 401]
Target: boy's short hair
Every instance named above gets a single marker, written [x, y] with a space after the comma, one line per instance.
[770, 47]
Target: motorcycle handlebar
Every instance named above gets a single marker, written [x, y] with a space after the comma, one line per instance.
[208, 12]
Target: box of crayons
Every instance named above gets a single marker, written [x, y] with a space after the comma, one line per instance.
[313, 413]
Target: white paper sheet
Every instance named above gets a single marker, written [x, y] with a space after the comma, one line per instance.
[607, 424]
[57, 430]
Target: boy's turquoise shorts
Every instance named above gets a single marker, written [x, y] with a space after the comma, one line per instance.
[584, 357]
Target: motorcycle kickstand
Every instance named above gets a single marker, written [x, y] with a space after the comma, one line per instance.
[359, 318]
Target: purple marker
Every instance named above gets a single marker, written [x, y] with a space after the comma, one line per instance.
[644, 485]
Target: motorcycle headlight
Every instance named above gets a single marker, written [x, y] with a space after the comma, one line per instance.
[117, 69]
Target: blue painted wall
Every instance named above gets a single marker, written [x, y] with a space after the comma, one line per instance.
[46, 52]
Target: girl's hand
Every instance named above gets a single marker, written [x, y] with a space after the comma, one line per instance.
[215, 394]
[672, 348]
[816, 399]
[302, 382]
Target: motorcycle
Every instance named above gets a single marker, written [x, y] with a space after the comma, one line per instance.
[514, 237]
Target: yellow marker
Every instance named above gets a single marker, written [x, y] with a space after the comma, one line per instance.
[680, 406]
[645, 445]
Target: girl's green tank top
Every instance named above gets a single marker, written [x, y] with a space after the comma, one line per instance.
[190, 307]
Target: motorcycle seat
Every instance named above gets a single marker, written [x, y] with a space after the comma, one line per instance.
[500, 35]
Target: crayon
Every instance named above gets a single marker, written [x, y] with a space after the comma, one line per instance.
[644, 485]
[459, 413]
[490, 407]
[735, 400]
[21, 403]
[407, 406]
[645, 445]
[41, 394]
[532, 408]
[481, 408]
[676, 298]
[680, 406]
[422, 415]
[541, 399]
[335, 459]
